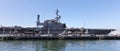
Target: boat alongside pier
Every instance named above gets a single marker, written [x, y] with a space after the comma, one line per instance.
[53, 29]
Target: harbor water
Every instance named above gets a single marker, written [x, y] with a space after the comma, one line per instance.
[60, 45]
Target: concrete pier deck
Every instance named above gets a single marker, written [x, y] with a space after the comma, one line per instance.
[12, 37]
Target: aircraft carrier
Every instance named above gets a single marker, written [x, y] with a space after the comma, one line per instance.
[52, 27]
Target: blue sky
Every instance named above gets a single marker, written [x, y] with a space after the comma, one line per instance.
[75, 13]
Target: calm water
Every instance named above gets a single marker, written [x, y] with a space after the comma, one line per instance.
[60, 45]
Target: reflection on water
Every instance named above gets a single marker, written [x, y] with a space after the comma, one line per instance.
[60, 45]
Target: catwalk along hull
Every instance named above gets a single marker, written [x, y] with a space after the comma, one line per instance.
[99, 31]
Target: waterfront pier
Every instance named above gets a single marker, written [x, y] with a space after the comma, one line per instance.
[38, 37]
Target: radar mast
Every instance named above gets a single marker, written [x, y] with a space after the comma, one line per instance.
[38, 20]
[57, 16]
